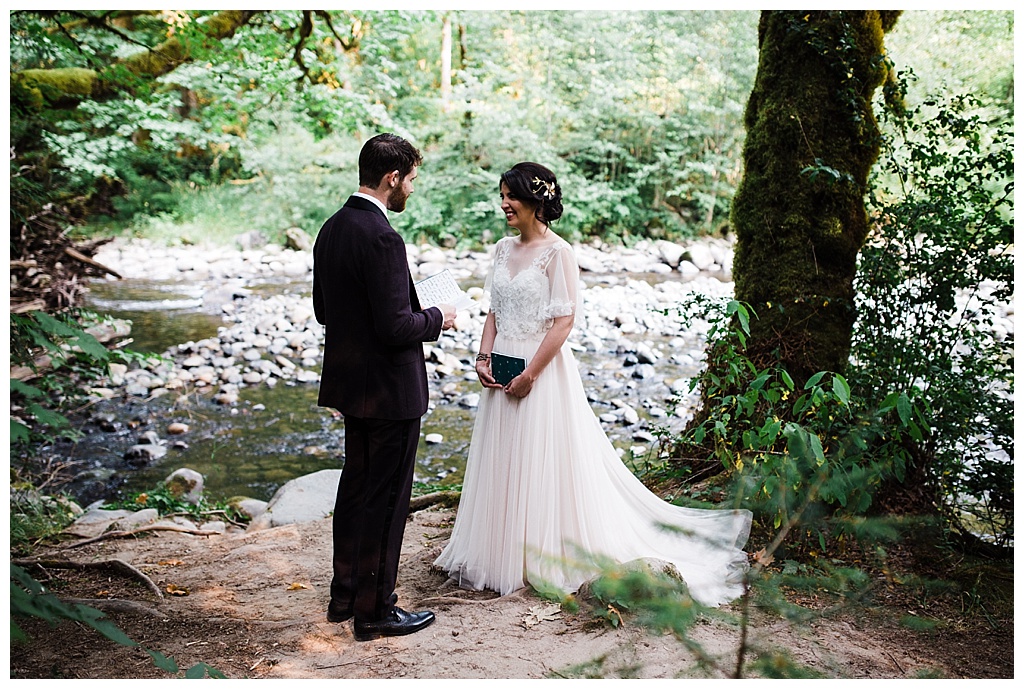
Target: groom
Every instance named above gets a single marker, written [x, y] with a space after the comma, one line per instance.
[374, 374]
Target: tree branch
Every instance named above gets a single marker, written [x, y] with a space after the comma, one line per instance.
[304, 31]
[40, 88]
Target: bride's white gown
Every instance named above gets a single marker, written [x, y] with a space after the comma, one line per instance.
[544, 487]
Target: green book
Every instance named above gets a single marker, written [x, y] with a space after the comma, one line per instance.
[504, 367]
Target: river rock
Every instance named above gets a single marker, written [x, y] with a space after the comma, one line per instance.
[226, 398]
[433, 438]
[186, 484]
[253, 239]
[306, 498]
[250, 507]
[298, 239]
[177, 428]
[149, 438]
[117, 372]
[700, 255]
[688, 269]
[670, 252]
[144, 454]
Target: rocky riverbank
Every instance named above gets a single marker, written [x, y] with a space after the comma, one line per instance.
[637, 346]
[270, 339]
[630, 322]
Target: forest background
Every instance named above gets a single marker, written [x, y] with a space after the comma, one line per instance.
[258, 124]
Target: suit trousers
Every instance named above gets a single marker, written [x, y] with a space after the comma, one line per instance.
[370, 513]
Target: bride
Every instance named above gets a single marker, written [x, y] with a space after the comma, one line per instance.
[545, 495]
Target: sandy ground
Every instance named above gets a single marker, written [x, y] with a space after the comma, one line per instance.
[253, 605]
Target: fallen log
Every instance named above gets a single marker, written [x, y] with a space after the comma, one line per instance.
[79, 256]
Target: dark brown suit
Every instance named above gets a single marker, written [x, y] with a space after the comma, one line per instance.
[374, 374]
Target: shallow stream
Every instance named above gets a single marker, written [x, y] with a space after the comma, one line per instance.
[279, 433]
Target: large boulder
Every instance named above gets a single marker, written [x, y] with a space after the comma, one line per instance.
[304, 499]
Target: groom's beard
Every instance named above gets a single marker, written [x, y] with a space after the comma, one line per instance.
[396, 202]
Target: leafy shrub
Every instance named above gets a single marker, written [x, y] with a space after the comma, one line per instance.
[813, 456]
[932, 278]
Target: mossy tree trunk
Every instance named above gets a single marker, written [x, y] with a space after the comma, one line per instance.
[799, 212]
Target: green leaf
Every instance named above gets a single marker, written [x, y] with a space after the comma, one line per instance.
[787, 380]
[29, 391]
[813, 380]
[51, 326]
[903, 408]
[771, 431]
[92, 347]
[841, 389]
[168, 665]
[47, 416]
[744, 320]
[201, 670]
[815, 443]
[19, 432]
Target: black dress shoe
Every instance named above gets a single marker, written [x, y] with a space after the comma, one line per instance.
[398, 623]
[335, 613]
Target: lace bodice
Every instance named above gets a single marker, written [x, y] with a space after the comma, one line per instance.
[532, 286]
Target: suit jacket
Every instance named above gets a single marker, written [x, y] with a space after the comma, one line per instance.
[364, 296]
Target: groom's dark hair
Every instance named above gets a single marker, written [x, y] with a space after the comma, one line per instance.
[386, 153]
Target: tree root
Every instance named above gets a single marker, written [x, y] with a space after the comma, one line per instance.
[118, 605]
[448, 498]
[118, 566]
[456, 599]
[141, 529]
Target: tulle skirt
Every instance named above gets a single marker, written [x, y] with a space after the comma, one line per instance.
[545, 497]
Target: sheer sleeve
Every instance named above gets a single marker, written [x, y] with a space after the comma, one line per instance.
[495, 253]
[563, 279]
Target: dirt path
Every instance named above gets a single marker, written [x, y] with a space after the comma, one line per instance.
[255, 608]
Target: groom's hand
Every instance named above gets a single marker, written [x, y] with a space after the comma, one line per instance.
[448, 311]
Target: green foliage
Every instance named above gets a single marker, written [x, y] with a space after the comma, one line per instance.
[71, 356]
[957, 51]
[639, 114]
[932, 279]
[653, 154]
[29, 598]
[814, 454]
[165, 500]
[35, 518]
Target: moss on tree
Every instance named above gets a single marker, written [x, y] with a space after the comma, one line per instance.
[35, 89]
[799, 213]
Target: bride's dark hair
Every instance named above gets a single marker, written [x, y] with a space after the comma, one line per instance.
[536, 185]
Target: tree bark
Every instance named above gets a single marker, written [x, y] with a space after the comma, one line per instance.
[446, 62]
[799, 212]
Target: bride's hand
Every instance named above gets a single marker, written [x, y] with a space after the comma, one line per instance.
[520, 386]
[483, 372]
